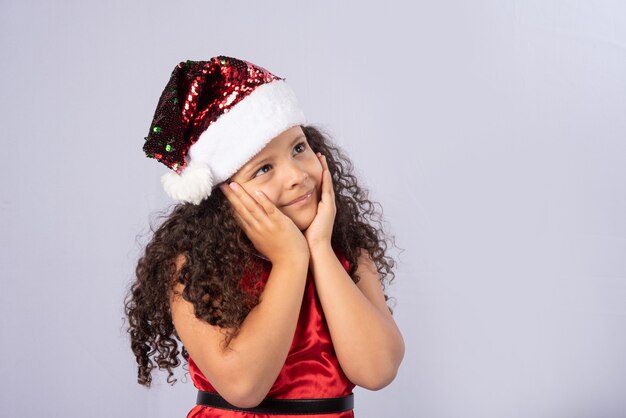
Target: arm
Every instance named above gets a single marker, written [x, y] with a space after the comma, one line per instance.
[367, 341]
[244, 372]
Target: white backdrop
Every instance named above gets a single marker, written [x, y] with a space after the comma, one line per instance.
[492, 132]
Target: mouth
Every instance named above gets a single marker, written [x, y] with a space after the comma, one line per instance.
[300, 199]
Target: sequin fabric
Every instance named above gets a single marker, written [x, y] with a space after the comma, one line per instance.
[197, 94]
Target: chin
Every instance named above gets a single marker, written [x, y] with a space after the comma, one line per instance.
[303, 225]
[304, 218]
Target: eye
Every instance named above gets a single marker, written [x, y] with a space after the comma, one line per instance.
[261, 170]
[302, 146]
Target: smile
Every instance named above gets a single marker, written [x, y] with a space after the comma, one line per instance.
[301, 200]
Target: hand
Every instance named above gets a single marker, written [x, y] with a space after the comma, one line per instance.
[271, 232]
[320, 231]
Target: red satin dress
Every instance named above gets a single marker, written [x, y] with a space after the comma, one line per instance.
[311, 369]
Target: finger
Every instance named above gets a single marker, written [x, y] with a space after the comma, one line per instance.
[320, 157]
[269, 206]
[235, 204]
[233, 199]
[241, 222]
[324, 162]
[248, 208]
[327, 180]
[327, 188]
[229, 192]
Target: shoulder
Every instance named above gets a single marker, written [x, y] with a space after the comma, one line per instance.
[369, 281]
[179, 261]
[341, 256]
[364, 262]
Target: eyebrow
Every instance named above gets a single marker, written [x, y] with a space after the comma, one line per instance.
[264, 160]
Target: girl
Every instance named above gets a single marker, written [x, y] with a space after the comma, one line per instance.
[269, 271]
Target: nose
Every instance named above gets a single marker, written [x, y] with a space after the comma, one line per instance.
[296, 175]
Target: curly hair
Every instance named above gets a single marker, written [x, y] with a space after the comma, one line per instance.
[217, 254]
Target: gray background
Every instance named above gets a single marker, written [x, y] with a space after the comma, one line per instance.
[492, 132]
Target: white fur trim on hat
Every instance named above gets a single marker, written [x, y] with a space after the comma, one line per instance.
[233, 139]
[192, 185]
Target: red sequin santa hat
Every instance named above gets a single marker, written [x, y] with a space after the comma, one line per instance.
[212, 118]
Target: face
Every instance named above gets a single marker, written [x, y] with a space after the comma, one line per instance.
[286, 170]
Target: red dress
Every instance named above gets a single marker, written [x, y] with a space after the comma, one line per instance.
[311, 369]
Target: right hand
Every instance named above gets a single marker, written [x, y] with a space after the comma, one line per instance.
[271, 232]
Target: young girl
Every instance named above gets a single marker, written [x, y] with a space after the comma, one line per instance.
[268, 271]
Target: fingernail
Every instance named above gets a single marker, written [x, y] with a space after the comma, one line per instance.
[234, 186]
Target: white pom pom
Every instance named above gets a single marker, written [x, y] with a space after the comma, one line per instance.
[193, 185]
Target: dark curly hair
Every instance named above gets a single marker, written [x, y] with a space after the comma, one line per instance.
[217, 254]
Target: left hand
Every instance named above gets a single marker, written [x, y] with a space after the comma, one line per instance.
[321, 229]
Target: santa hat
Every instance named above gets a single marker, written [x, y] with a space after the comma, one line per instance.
[212, 118]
